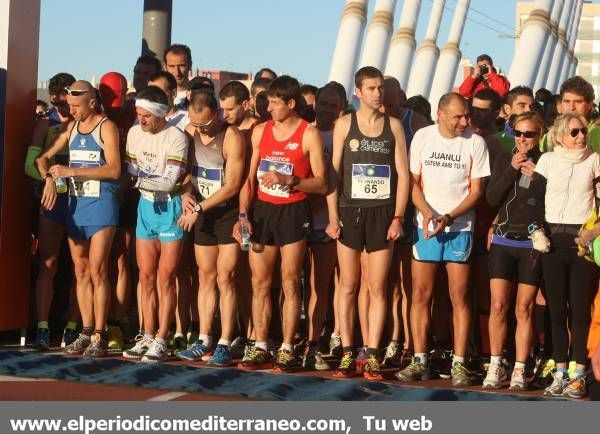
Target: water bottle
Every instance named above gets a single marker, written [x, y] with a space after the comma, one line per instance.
[245, 245]
[61, 185]
[525, 181]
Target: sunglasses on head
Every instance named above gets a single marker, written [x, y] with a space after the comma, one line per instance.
[574, 132]
[75, 92]
[526, 134]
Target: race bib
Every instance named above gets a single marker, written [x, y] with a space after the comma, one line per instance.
[77, 186]
[370, 181]
[266, 166]
[207, 180]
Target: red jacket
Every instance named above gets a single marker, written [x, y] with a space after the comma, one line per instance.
[471, 85]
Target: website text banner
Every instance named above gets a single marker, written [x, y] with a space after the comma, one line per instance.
[299, 417]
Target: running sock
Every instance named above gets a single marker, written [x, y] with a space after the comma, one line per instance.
[519, 365]
[179, 335]
[421, 358]
[564, 371]
[458, 359]
[371, 352]
[160, 340]
[206, 340]
[87, 331]
[579, 373]
[42, 325]
[71, 325]
[495, 360]
[148, 337]
[224, 342]
[287, 347]
[262, 345]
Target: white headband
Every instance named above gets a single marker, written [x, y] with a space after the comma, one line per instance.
[155, 108]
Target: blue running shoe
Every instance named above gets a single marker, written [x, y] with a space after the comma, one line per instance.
[195, 353]
[221, 356]
[42, 340]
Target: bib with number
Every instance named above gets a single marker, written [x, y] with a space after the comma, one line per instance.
[371, 181]
[267, 166]
[207, 180]
[77, 186]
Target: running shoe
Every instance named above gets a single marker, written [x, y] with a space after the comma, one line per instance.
[237, 347]
[496, 374]
[361, 359]
[221, 356]
[139, 349]
[98, 347]
[284, 362]
[571, 369]
[461, 376]
[257, 359]
[42, 340]
[559, 383]
[543, 375]
[575, 388]
[335, 345]
[194, 353]
[415, 371]
[313, 359]
[393, 355]
[178, 345]
[347, 366]
[157, 352]
[406, 358]
[68, 337]
[192, 336]
[440, 362]
[371, 369]
[247, 350]
[115, 338]
[517, 380]
[79, 345]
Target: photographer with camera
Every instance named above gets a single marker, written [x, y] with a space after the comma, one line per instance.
[484, 76]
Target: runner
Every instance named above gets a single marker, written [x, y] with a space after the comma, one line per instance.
[93, 172]
[211, 209]
[519, 100]
[156, 155]
[178, 61]
[447, 162]
[144, 67]
[369, 159]
[286, 151]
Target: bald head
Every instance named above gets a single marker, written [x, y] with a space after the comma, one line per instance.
[81, 98]
[451, 98]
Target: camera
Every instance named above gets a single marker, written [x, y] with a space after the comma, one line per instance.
[484, 69]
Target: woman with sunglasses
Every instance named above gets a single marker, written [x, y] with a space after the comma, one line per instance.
[567, 177]
[510, 259]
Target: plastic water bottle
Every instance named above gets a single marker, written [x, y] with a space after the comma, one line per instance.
[245, 245]
[525, 181]
[61, 185]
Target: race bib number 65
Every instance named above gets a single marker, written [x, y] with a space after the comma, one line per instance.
[370, 181]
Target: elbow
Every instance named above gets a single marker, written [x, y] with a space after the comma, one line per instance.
[115, 173]
[322, 187]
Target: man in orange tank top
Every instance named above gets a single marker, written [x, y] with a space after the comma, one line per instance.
[286, 165]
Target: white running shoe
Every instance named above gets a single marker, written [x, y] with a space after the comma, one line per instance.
[496, 374]
[158, 352]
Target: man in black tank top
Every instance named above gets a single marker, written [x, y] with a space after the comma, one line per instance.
[370, 160]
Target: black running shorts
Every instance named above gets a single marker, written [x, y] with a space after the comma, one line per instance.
[216, 226]
[366, 228]
[278, 225]
[510, 263]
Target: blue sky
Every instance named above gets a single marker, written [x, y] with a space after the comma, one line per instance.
[296, 37]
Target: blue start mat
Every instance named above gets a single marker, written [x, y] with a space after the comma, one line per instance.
[227, 381]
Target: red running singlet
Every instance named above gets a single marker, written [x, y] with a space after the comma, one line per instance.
[285, 157]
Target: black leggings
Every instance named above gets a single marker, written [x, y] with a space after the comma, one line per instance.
[571, 284]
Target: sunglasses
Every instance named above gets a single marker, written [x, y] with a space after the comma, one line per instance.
[203, 126]
[75, 92]
[526, 134]
[575, 131]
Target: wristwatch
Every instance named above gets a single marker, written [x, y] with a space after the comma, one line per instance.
[198, 208]
[449, 219]
[294, 181]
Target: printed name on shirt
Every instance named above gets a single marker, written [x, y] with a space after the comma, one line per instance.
[441, 159]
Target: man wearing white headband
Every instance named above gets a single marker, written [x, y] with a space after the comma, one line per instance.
[156, 156]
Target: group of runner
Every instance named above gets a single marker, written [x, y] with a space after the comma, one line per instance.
[280, 184]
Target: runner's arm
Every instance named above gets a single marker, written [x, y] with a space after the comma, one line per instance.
[342, 126]
[401, 161]
[313, 143]
[43, 161]
[248, 190]
[175, 168]
[476, 191]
